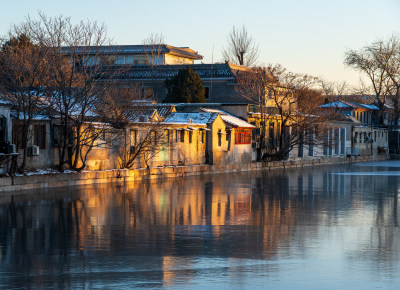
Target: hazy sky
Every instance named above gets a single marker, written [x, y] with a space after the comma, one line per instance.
[308, 36]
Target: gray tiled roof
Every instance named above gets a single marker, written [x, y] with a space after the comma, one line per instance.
[133, 49]
[147, 110]
[162, 72]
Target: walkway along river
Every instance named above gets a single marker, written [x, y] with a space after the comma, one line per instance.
[35, 181]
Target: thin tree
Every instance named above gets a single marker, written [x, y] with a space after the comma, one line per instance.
[373, 62]
[241, 48]
[154, 45]
[392, 56]
[333, 90]
[23, 78]
[78, 78]
[288, 101]
[140, 135]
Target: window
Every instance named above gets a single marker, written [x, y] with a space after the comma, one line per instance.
[99, 137]
[272, 133]
[91, 60]
[17, 133]
[182, 136]
[133, 137]
[219, 137]
[57, 135]
[301, 146]
[190, 136]
[107, 59]
[39, 139]
[311, 143]
[337, 139]
[242, 136]
[355, 137]
[228, 139]
[3, 128]
[153, 137]
[207, 93]
[146, 93]
[202, 136]
[119, 59]
[176, 136]
[166, 134]
[129, 59]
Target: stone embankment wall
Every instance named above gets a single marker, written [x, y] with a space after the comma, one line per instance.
[20, 183]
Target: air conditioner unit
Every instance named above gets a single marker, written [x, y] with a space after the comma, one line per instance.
[34, 150]
[4, 147]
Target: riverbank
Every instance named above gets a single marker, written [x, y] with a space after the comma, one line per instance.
[22, 183]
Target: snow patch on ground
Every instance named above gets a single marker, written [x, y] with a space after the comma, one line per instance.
[44, 171]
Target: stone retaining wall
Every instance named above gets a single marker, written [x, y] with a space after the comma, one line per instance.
[19, 183]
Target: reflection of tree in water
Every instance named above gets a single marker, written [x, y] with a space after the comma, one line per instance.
[227, 216]
[382, 245]
[209, 216]
[34, 237]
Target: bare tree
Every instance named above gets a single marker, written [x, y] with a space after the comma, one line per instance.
[392, 55]
[78, 78]
[373, 62]
[251, 84]
[241, 48]
[150, 140]
[23, 77]
[154, 46]
[154, 43]
[288, 104]
[141, 135]
[333, 90]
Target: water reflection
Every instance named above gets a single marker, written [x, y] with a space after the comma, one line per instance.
[242, 230]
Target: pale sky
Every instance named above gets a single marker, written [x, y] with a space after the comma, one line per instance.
[305, 36]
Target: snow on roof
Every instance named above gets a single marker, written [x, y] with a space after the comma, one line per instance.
[349, 105]
[336, 104]
[4, 103]
[230, 119]
[38, 117]
[371, 106]
[191, 118]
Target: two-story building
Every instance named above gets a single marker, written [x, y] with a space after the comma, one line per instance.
[149, 66]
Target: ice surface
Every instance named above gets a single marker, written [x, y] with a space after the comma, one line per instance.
[373, 173]
[391, 163]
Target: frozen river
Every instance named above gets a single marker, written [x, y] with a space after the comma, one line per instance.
[333, 227]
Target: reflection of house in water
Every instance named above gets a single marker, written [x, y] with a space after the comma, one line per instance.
[231, 216]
